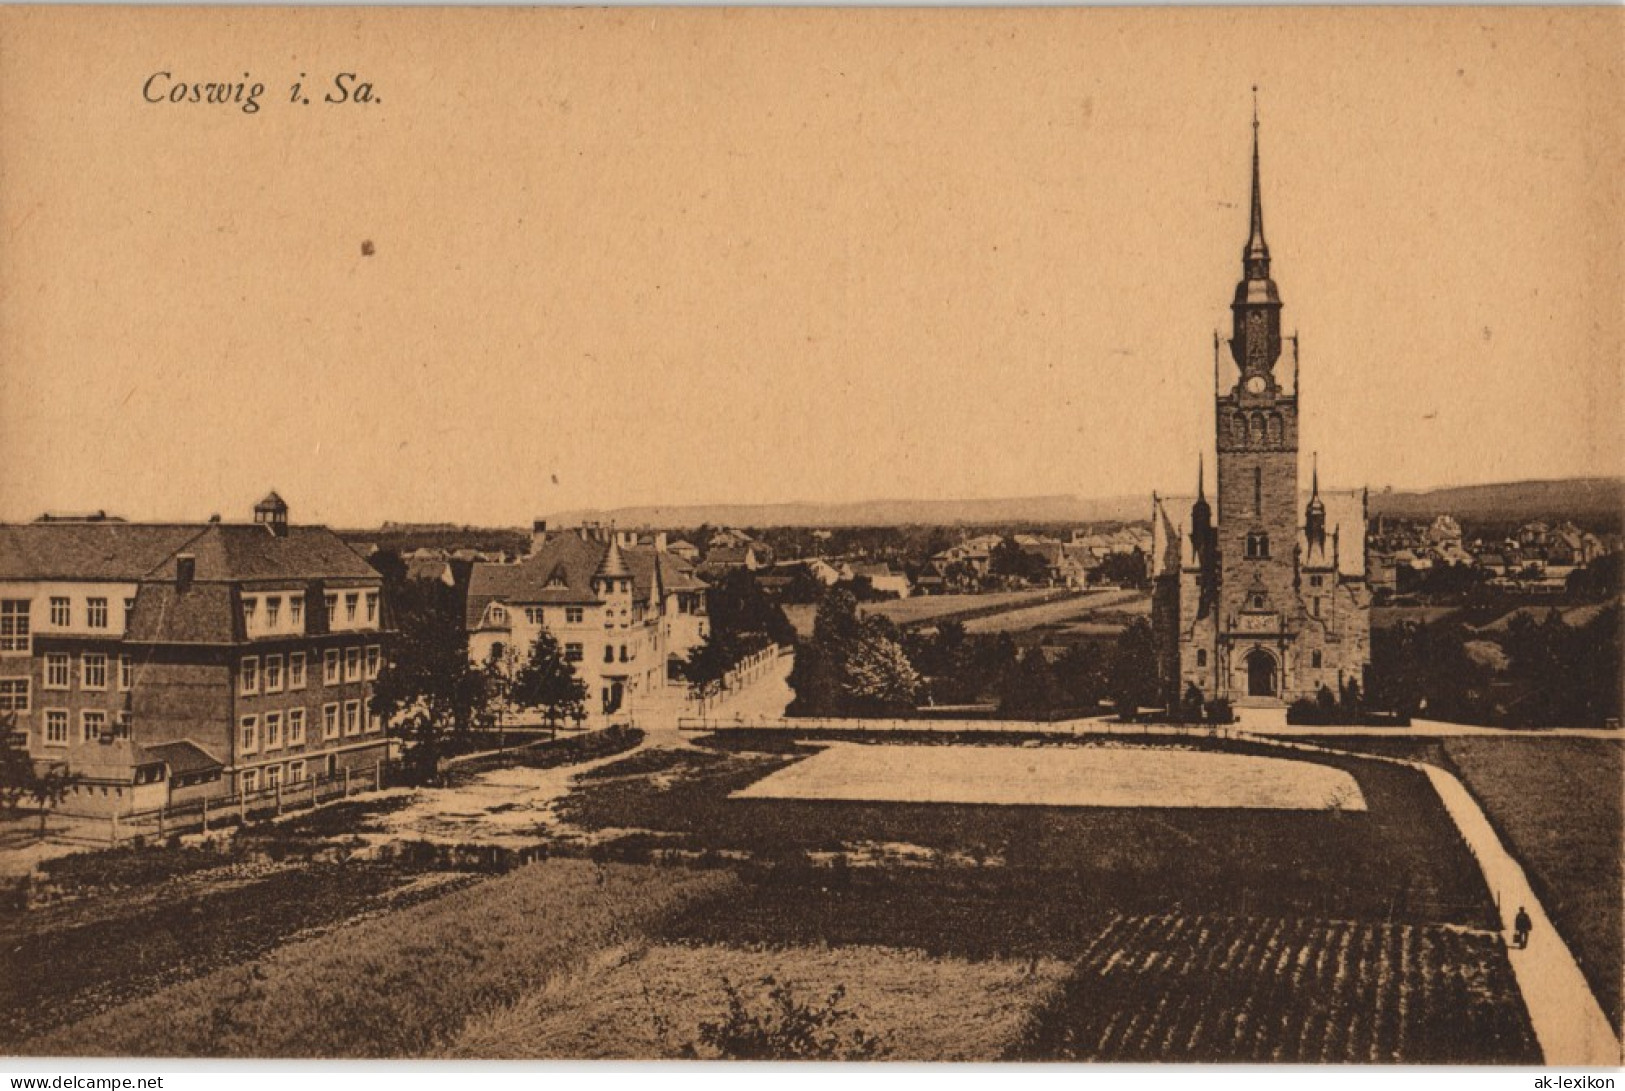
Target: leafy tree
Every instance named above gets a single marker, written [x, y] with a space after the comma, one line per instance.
[1029, 685]
[877, 675]
[21, 778]
[1134, 668]
[428, 690]
[851, 665]
[546, 680]
[743, 617]
[1124, 569]
[707, 665]
[1010, 560]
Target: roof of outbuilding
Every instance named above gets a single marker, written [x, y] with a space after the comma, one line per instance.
[184, 757]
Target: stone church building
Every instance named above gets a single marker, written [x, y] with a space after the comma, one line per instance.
[1259, 597]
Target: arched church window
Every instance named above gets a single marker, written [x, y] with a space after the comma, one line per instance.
[1275, 428]
[1258, 490]
[1255, 429]
[1258, 545]
[1201, 657]
[1315, 658]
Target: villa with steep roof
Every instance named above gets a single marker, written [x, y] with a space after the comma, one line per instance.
[622, 612]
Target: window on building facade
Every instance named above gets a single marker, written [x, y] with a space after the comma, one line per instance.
[126, 673]
[296, 772]
[533, 614]
[296, 670]
[14, 625]
[350, 601]
[331, 603]
[123, 724]
[1258, 490]
[573, 615]
[372, 607]
[13, 695]
[273, 730]
[96, 613]
[1201, 657]
[296, 612]
[609, 653]
[251, 612]
[375, 722]
[273, 612]
[330, 666]
[273, 674]
[1314, 658]
[574, 653]
[1258, 546]
[61, 611]
[93, 721]
[248, 734]
[375, 658]
[58, 668]
[623, 653]
[251, 780]
[56, 727]
[352, 664]
[273, 776]
[1314, 606]
[93, 671]
[352, 717]
[296, 727]
[330, 721]
[249, 676]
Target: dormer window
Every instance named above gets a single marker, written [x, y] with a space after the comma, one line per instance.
[273, 611]
[296, 611]
[499, 616]
[251, 611]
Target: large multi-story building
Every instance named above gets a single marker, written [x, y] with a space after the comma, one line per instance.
[1250, 604]
[621, 612]
[167, 662]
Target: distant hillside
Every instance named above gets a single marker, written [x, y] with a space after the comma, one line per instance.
[869, 513]
[1585, 500]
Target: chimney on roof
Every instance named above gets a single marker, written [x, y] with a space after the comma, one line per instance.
[538, 535]
[185, 571]
[660, 541]
[272, 512]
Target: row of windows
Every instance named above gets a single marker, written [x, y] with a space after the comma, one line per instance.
[272, 775]
[609, 654]
[535, 615]
[338, 665]
[266, 614]
[93, 724]
[93, 671]
[274, 730]
[1201, 657]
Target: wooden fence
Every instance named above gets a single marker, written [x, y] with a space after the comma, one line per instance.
[202, 815]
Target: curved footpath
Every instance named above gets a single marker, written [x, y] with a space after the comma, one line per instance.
[1569, 1024]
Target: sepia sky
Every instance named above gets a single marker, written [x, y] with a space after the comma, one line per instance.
[657, 256]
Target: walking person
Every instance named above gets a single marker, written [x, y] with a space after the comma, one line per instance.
[1521, 924]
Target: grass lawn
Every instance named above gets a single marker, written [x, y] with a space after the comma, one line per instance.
[644, 1004]
[1556, 804]
[1056, 614]
[399, 985]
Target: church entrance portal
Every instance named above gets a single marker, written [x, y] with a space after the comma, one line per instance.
[1260, 674]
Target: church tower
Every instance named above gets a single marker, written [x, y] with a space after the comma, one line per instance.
[1256, 413]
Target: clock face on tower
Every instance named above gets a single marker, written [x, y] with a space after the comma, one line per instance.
[1255, 384]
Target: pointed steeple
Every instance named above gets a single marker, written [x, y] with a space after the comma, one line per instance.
[613, 566]
[1314, 519]
[1256, 257]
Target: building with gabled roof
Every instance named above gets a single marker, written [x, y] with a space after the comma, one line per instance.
[246, 648]
[622, 612]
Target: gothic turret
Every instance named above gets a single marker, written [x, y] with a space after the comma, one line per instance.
[1256, 311]
[1314, 516]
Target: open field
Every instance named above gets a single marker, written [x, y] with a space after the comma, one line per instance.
[1058, 614]
[401, 985]
[924, 608]
[649, 1004]
[1093, 776]
[1183, 987]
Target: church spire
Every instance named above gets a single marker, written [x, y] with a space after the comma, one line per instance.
[1256, 257]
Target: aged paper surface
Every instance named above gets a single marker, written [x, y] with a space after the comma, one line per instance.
[479, 268]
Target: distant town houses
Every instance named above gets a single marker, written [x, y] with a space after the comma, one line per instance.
[1537, 556]
[623, 608]
[161, 663]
